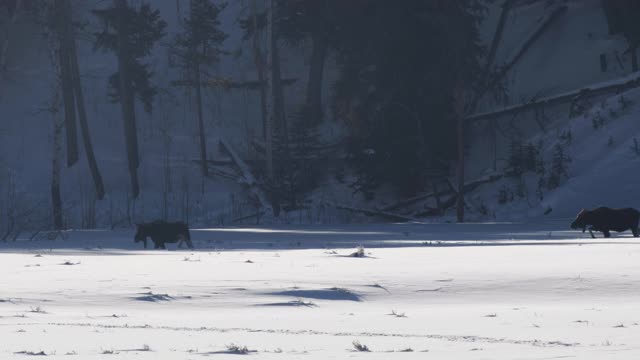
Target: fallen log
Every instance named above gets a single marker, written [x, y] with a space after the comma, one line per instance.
[247, 217]
[413, 200]
[369, 212]
[222, 174]
[610, 87]
[470, 186]
[222, 162]
[229, 84]
[467, 204]
[317, 151]
[247, 178]
[450, 202]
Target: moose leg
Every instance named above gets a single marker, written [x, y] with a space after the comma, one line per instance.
[180, 241]
[185, 238]
[636, 232]
[606, 233]
[593, 236]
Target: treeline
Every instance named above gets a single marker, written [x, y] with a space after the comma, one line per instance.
[409, 71]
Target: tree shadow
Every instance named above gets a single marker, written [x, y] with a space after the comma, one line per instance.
[305, 237]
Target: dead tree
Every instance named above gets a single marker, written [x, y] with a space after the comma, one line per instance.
[79, 103]
[552, 18]
[56, 198]
[459, 113]
[64, 60]
[378, 213]
[53, 108]
[258, 60]
[269, 118]
[126, 97]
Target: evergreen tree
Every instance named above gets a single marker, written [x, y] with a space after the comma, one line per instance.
[311, 20]
[302, 22]
[396, 88]
[196, 48]
[559, 167]
[130, 33]
[56, 19]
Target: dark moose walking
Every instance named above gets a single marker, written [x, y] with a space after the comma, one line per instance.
[605, 220]
[162, 232]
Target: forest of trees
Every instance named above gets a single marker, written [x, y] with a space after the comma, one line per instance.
[407, 73]
[406, 70]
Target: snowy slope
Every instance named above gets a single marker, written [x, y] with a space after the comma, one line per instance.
[565, 57]
[604, 168]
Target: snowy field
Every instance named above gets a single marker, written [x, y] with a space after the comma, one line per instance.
[491, 291]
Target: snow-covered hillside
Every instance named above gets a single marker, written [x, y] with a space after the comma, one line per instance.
[602, 148]
[566, 56]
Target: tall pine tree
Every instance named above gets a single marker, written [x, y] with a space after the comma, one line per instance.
[404, 68]
[198, 47]
[130, 33]
[313, 21]
[304, 22]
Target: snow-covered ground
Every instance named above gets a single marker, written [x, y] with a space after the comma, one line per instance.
[473, 291]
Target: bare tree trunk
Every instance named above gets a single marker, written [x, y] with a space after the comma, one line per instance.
[434, 186]
[460, 172]
[126, 99]
[56, 199]
[267, 132]
[82, 113]
[276, 124]
[166, 170]
[486, 73]
[459, 113]
[277, 92]
[259, 62]
[267, 88]
[552, 18]
[67, 82]
[316, 72]
[497, 38]
[201, 130]
[55, 47]
[494, 143]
